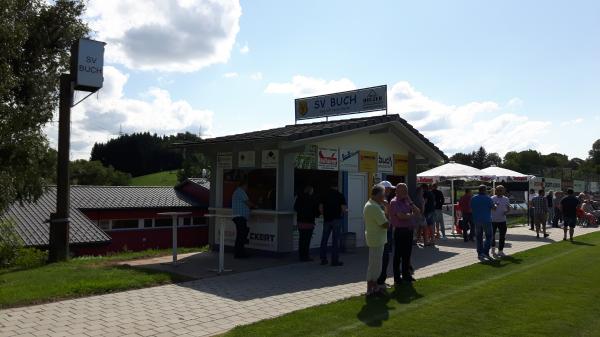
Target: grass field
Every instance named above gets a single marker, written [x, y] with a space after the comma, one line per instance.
[79, 277]
[166, 178]
[548, 291]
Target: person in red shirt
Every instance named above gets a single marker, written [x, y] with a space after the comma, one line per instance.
[468, 228]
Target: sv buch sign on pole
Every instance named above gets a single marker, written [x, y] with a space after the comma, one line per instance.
[87, 62]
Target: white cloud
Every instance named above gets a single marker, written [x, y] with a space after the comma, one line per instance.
[245, 49]
[572, 122]
[453, 128]
[301, 86]
[181, 36]
[514, 103]
[101, 116]
[257, 76]
[230, 75]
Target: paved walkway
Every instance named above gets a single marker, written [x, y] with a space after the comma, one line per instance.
[214, 305]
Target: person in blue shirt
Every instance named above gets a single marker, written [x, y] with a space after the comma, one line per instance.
[240, 208]
[482, 206]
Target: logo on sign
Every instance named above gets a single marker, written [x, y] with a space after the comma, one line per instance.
[303, 107]
[372, 99]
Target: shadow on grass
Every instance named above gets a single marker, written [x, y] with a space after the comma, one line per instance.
[376, 310]
[581, 243]
[503, 262]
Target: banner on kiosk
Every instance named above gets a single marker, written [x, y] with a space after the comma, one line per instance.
[342, 103]
[367, 161]
[349, 160]
[327, 159]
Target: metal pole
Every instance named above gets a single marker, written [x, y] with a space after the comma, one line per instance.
[452, 203]
[221, 246]
[174, 217]
[59, 221]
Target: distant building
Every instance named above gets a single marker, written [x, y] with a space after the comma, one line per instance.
[115, 218]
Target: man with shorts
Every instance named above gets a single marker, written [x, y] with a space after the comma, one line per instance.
[540, 212]
[568, 208]
[429, 213]
[439, 215]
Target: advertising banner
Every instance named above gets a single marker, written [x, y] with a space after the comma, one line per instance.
[367, 161]
[246, 159]
[225, 160]
[552, 184]
[270, 159]
[594, 187]
[87, 63]
[536, 183]
[385, 162]
[327, 159]
[349, 160]
[263, 233]
[308, 159]
[578, 186]
[342, 103]
[400, 165]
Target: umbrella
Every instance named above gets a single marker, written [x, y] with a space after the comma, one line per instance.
[453, 171]
[506, 174]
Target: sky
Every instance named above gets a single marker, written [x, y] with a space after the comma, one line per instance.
[507, 75]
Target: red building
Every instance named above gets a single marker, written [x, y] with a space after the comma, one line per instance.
[117, 218]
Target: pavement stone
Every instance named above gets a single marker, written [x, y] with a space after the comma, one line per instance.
[215, 305]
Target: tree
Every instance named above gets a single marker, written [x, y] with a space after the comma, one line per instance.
[479, 158]
[555, 160]
[595, 153]
[194, 165]
[85, 172]
[35, 42]
[493, 159]
[462, 158]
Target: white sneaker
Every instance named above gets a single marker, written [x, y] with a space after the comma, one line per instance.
[493, 250]
[501, 253]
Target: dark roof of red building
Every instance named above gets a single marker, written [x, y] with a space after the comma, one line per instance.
[31, 218]
[309, 130]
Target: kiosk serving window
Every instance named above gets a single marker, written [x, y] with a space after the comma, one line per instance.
[262, 186]
[321, 181]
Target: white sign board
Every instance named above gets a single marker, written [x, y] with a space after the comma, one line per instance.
[87, 64]
[348, 160]
[342, 103]
[385, 162]
[246, 159]
[327, 159]
[270, 158]
[225, 160]
[263, 233]
[594, 187]
[578, 186]
[552, 184]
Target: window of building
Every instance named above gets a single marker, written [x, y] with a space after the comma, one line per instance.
[125, 224]
[199, 221]
[163, 222]
[261, 186]
[147, 223]
[104, 224]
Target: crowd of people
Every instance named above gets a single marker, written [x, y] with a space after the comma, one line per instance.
[395, 222]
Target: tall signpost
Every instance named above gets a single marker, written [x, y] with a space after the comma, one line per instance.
[87, 60]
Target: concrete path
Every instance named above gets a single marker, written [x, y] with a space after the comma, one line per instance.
[214, 305]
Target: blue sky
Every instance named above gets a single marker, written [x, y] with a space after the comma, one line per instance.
[509, 75]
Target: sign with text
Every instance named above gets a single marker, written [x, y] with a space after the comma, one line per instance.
[367, 161]
[327, 159]
[225, 160]
[246, 159]
[578, 186]
[349, 160]
[307, 160]
[270, 159]
[400, 165]
[385, 162]
[342, 103]
[87, 63]
[552, 184]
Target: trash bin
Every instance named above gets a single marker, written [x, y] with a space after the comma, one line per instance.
[349, 242]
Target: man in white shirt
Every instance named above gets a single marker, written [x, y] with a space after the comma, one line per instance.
[499, 219]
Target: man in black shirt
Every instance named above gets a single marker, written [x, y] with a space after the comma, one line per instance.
[439, 215]
[307, 209]
[429, 213]
[568, 207]
[333, 206]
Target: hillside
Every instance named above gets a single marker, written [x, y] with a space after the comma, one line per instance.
[165, 178]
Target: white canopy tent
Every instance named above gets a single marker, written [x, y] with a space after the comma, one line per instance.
[506, 174]
[452, 171]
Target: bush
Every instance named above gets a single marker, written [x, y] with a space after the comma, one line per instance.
[10, 243]
[27, 258]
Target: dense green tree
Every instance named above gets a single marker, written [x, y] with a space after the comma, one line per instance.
[142, 153]
[479, 157]
[595, 153]
[194, 165]
[493, 159]
[85, 172]
[555, 160]
[35, 41]
[462, 158]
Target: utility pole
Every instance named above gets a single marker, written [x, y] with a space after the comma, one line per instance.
[59, 221]
[87, 60]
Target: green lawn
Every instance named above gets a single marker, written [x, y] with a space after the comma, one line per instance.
[79, 277]
[548, 291]
[166, 178]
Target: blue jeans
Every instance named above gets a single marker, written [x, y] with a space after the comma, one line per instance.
[334, 228]
[480, 228]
